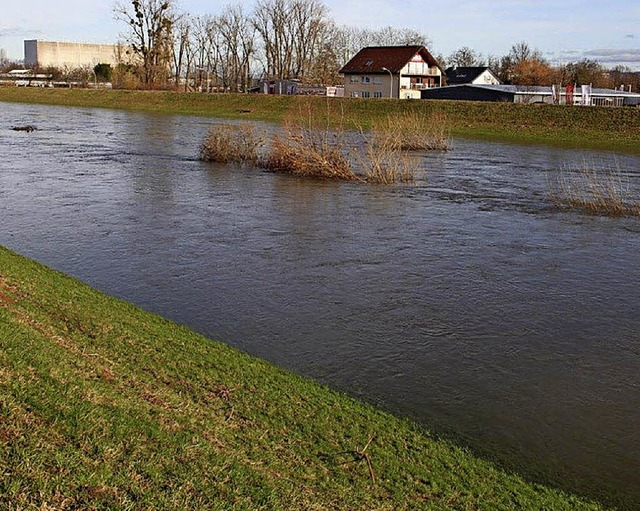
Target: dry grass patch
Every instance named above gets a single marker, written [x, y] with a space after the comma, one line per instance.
[596, 191]
[315, 143]
[383, 163]
[306, 153]
[227, 143]
[412, 131]
[319, 146]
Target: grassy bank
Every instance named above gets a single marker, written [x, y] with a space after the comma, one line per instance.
[599, 128]
[104, 406]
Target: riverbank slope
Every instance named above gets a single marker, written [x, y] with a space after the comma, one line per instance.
[103, 405]
[616, 129]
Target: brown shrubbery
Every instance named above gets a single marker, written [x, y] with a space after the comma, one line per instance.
[309, 154]
[594, 191]
[413, 131]
[318, 146]
[226, 143]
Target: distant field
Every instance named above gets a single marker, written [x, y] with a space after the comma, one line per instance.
[616, 129]
[105, 406]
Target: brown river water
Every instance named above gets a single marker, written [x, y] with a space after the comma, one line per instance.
[465, 301]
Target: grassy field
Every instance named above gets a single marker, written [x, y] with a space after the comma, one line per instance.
[105, 406]
[581, 127]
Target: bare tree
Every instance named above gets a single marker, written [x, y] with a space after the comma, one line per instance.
[291, 32]
[181, 49]
[150, 24]
[523, 65]
[348, 40]
[237, 47]
[465, 57]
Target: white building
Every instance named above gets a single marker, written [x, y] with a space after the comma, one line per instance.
[476, 75]
[391, 71]
[60, 54]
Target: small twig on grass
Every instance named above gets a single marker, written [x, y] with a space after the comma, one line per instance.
[363, 454]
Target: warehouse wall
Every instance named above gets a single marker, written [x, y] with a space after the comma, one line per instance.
[57, 54]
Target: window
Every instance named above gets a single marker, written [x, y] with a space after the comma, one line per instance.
[368, 63]
[353, 79]
[366, 79]
[365, 94]
[353, 94]
[377, 94]
[377, 80]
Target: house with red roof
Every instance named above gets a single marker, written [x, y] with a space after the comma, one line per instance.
[391, 72]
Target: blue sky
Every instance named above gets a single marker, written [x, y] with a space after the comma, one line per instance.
[564, 30]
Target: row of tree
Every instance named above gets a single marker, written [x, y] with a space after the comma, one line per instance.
[524, 65]
[290, 39]
[276, 39]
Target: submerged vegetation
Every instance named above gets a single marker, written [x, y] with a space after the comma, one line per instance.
[596, 191]
[413, 130]
[231, 143]
[105, 406]
[321, 147]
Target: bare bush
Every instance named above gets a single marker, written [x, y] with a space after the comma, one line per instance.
[308, 153]
[231, 143]
[594, 191]
[385, 164]
[318, 145]
[412, 131]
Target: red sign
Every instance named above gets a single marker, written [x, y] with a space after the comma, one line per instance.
[569, 100]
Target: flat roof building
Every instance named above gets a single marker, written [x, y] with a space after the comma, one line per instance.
[62, 54]
[534, 94]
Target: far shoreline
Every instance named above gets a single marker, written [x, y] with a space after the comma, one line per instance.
[575, 127]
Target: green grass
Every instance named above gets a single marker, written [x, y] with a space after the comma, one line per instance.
[105, 406]
[581, 127]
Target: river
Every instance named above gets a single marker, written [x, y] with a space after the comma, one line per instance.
[465, 300]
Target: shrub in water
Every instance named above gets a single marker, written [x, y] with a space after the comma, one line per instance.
[594, 191]
[231, 143]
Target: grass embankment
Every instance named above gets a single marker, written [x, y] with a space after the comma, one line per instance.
[105, 406]
[582, 127]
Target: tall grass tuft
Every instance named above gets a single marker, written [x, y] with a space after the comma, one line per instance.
[231, 143]
[594, 191]
[412, 131]
[318, 145]
[311, 146]
[383, 163]
[308, 153]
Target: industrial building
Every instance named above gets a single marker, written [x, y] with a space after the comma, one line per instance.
[61, 54]
[534, 94]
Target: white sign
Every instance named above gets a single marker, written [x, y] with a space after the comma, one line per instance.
[586, 95]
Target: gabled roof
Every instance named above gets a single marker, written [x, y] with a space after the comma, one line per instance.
[459, 75]
[373, 59]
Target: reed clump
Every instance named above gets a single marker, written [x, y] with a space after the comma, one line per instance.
[227, 143]
[306, 152]
[413, 131]
[319, 146]
[384, 163]
[596, 191]
[316, 144]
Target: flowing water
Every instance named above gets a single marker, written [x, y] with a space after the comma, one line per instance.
[464, 300]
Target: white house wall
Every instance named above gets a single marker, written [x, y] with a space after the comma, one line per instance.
[369, 86]
[486, 78]
[420, 69]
